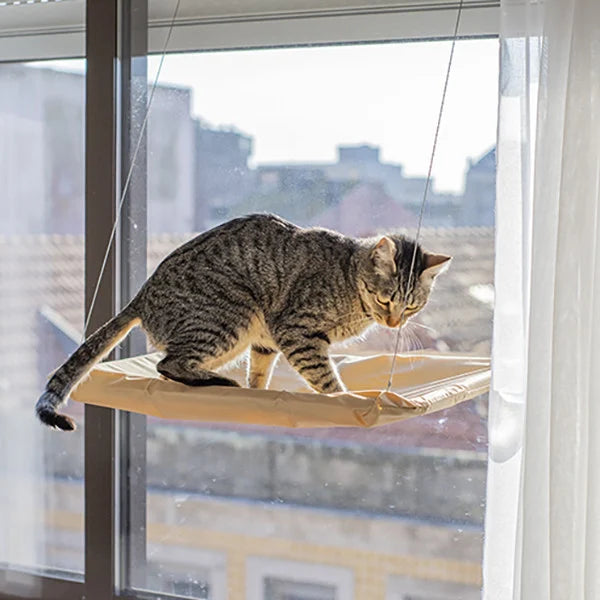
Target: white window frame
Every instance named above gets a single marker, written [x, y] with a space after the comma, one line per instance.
[53, 30]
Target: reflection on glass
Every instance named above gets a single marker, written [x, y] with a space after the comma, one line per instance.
[334, 137]
[41, 311]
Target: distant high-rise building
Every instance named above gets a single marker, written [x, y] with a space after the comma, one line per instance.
[171, 164]
[479, 198]
[42, 125]
[363, 154]
[362, 163]
[222, 176]
[357, 167]
[365, 210]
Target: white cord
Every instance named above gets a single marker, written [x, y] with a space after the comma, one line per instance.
[427, 184]
[130, 172]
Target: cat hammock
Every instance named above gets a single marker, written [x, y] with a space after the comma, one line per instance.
[414, 384]
[422, 383]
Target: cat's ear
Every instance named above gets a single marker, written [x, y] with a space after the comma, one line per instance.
[384, 255]
[435, 264]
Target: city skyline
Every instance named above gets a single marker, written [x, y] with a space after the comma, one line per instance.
[299, 104]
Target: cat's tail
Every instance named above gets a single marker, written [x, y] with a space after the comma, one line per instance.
[64, 379]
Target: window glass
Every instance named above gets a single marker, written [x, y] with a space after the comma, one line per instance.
[337, 137]
[41, 310]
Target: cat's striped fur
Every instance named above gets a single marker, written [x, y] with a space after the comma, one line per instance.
[263, 283]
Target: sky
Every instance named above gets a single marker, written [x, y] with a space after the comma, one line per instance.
[298, 104]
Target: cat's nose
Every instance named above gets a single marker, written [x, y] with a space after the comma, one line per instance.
[393, 321]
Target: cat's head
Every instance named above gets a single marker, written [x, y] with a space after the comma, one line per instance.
[388, 291]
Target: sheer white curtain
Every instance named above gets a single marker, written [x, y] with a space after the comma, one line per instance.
[543, 517]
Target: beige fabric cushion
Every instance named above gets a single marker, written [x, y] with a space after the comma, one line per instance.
[422, 383]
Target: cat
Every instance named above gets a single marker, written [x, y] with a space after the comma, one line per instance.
[262, 283]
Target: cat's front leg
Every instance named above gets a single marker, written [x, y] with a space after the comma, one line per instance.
[260, 368]
[309, 356]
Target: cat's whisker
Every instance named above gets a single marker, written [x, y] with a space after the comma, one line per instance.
[413, 340]
[416, 324]
[417, 341]
[403, 345]
[405, 340]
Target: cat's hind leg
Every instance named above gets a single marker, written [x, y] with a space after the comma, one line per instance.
[260, 368]
[194, 353]
[206, 337]
[189, 369]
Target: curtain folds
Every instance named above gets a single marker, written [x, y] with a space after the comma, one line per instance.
[543, 519]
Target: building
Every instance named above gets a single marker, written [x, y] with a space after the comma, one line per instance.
[299, 195]
[199, 176]
[41, 118]
[362, 164]
[171, 165]
[364, 210]
[222, 176]
[361, 167]
[41, 122]
[479, 198]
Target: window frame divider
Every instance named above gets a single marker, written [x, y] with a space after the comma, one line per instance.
[101, 434]
[132, 271]
[115, 441]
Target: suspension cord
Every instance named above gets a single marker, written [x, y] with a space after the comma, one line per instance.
[427, 184]
[130, 171]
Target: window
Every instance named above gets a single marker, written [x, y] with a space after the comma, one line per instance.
[334, 131]
[282, 589]
[187, 571]
[408, 588]
[41, 311]
[276, 579]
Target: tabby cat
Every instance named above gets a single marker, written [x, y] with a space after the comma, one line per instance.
[263, 283]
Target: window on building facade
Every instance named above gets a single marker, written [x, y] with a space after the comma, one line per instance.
[273, 578]
[282, 589]
[415, 588]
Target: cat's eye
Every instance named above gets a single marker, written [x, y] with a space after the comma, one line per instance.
[412, 307]
[382, 302]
